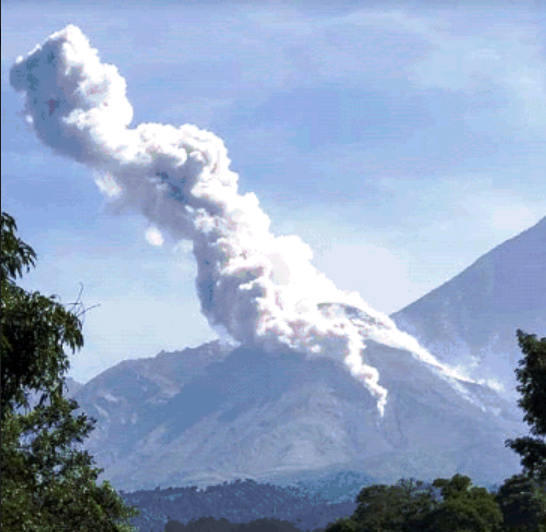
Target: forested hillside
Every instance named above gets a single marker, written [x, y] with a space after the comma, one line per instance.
[238, 502]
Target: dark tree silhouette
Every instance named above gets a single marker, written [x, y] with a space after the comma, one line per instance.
[532, 376]
[48, 485]
[523, 504]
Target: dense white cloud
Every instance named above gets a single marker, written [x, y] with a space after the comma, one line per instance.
[259, 288]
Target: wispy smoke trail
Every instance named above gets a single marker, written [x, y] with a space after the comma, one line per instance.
[260, 288]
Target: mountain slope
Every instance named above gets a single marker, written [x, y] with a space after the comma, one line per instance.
[472, 319]
[213, 413]
[278, 416]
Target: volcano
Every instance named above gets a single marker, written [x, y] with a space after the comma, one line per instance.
[213, 414]
[271, 406]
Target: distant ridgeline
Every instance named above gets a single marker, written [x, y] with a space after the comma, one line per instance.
[306, 506]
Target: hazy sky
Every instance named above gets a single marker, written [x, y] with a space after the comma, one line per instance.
[401, 142]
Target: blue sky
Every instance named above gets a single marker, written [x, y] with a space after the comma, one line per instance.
[400, 141]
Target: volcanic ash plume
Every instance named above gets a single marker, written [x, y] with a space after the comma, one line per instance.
[259, 288]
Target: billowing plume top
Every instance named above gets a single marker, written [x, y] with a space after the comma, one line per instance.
[260, 288]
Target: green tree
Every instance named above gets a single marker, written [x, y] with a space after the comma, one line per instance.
[522, 498]
[35, 329]
[464, 507]
[48, 484]
[532, 377]
[401, 507]
[523, 504]
[447, 505]
[342, 525]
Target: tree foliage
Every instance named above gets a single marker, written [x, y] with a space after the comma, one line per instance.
[523, 504]
[48, 483]
[35, 329]
[402, 507]
[464, 507]
[413, 506]
[532, 377]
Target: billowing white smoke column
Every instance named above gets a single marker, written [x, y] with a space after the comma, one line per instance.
[260, 288]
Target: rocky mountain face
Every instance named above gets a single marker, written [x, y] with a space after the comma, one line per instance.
[472, 319]
[204, 416]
